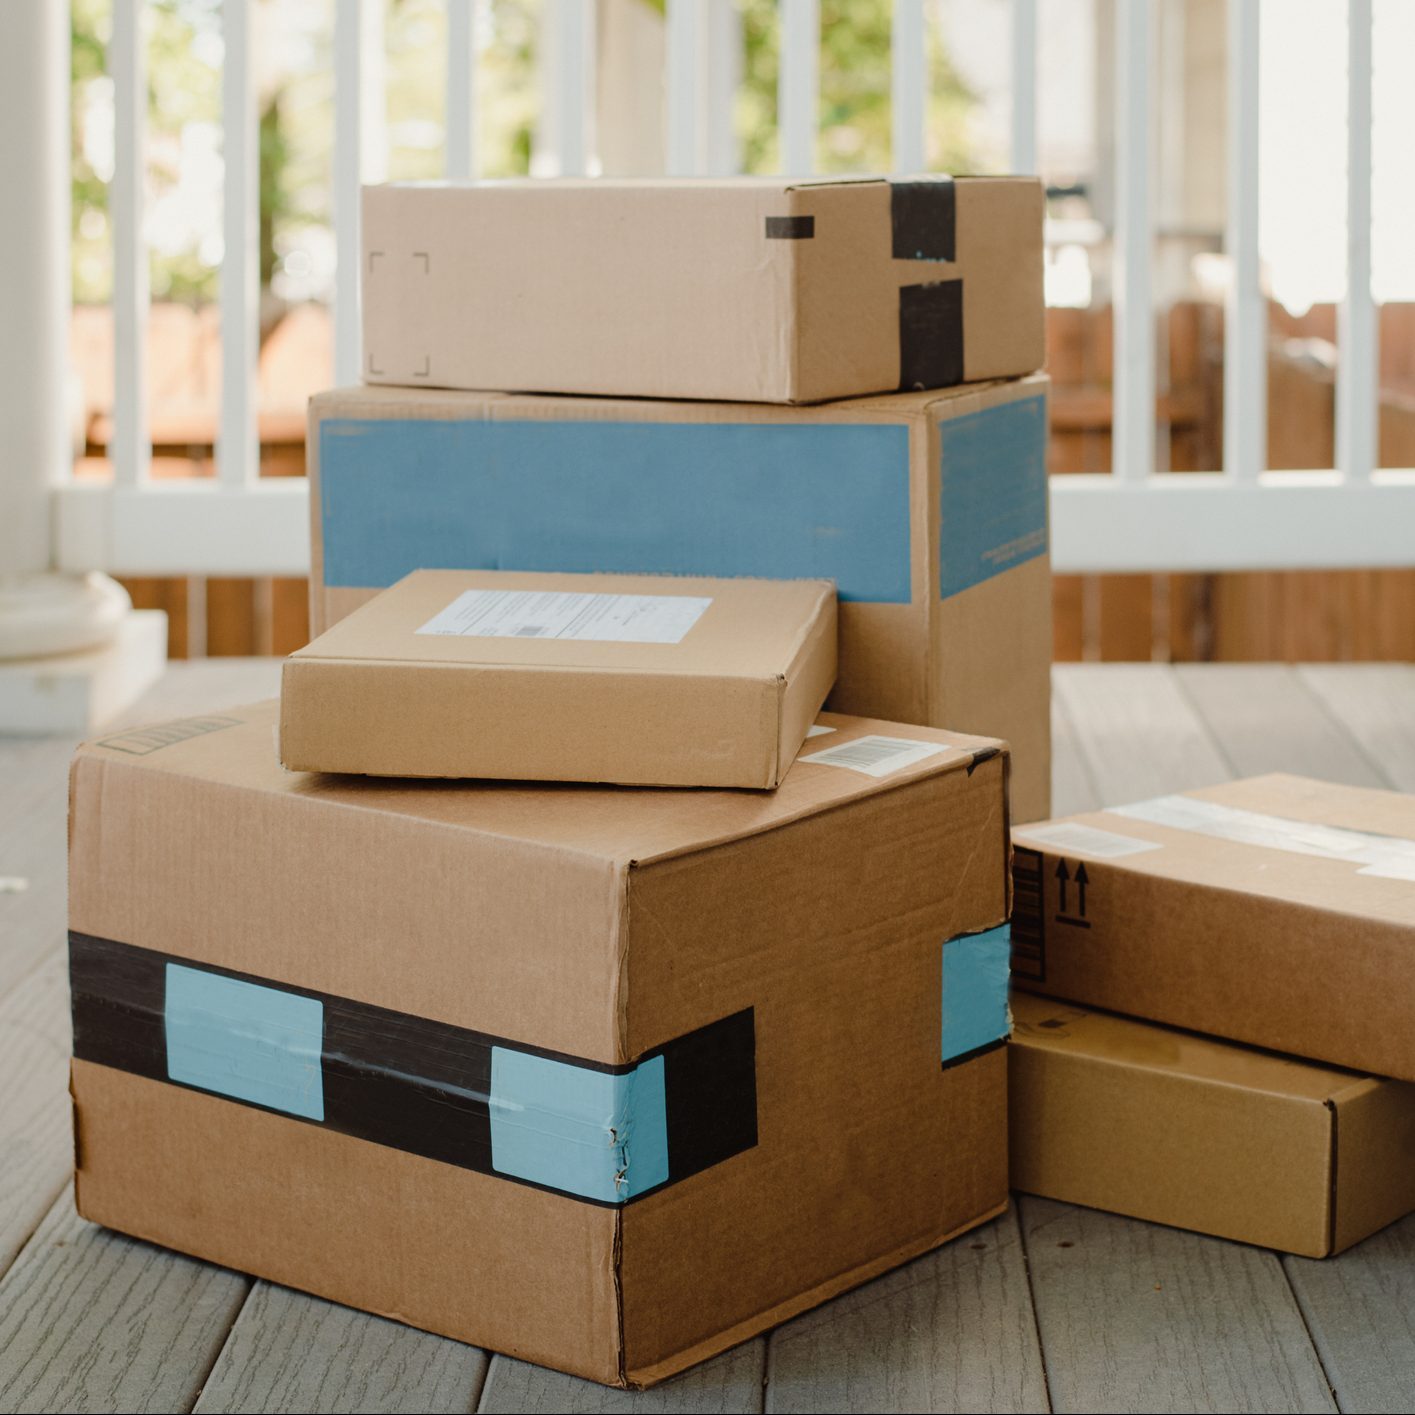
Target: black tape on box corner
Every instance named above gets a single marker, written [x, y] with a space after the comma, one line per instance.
[790, 228]
[410, 1083]
[1029, 952]
[923, 218]
[931, 335]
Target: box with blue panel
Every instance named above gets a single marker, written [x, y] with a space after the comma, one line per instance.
[606, 1079]
[927, 510]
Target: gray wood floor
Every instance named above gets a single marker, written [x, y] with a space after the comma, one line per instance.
[1049, 1307]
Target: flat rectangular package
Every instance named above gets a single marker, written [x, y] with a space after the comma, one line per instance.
[608, 1079]
[1176, 1128]
[637, 679]
[1277, 911]
[772, 290]
[927, 510]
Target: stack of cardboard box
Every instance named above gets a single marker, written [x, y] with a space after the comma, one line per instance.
[1275, 917]
[609, 1077]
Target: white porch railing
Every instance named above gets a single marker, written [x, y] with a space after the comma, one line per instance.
[1239, 517]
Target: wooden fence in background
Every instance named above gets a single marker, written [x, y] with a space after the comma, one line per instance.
[1294, 616]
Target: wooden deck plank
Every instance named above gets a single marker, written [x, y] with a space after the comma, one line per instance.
[1360, 1308]
[1137, 1317]
[36, 1153]
[91, 1320]
[1265, 718]
[952, 1331]
[1375, 702]
[289, 1351]
[1137, 733]
[730, 1384]
[34, 805]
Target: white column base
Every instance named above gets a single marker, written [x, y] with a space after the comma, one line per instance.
[73, 694]
[59, 614]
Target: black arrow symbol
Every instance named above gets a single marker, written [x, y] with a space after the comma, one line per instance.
[1063, 874]
[1081, 881]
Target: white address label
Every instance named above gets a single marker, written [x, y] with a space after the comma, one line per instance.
[877, 756]
[551, 614]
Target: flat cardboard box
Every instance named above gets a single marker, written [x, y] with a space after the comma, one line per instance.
[928, 511]
[608, 1079]
[636, 679]
[772, 290]
[1276, 911]
[1175, 1128]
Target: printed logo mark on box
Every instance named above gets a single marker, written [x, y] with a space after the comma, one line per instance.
[143, 741]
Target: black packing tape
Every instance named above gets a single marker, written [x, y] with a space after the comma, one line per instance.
[923, 218]
[790, 228]
[931, 335]
[410, 1083]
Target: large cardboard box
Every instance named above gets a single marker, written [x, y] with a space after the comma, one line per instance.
[637, 679]
[773, 290]
[928, 511]
[1276, 911]
[605, 1078]
[1175, 1128]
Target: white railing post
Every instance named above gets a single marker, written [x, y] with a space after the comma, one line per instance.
[131, 450]
[1024, 86]
[1133, 417]
[908, 86]
[460, 142]
[238, 439]
[685, 63]
[360, 154]
[1357, 370]
[798, 94]
[1245, 370]
[702, 66]
[565, 140]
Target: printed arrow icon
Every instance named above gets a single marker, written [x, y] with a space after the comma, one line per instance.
[1062, 874]
[1082, 879]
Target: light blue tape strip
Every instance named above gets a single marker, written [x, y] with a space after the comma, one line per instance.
[993, 492]
[253, 1043]
[571, 1128]
[975, 971]
[778, 500]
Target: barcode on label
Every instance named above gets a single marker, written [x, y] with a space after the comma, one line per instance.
[877, 756]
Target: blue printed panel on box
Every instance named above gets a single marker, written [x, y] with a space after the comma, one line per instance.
[992, 492]
[782, 501]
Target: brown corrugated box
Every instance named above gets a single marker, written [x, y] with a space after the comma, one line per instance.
[1277, 911]
[927, 510]
[636, 679]
[311, 1011]
[774, 290]
[1175, 1128]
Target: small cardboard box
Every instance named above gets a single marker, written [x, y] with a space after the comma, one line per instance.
[1179, 1129]
[636, 679]
[928, 511]
[1276, 911]
[772, 290]
[609, 1079]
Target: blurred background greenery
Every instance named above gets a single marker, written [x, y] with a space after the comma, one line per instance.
[294, 81]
